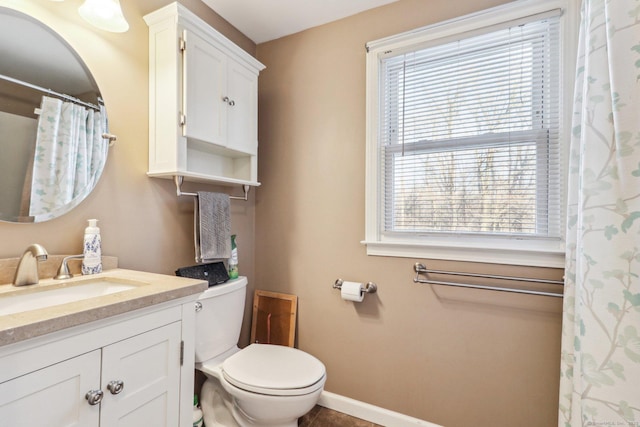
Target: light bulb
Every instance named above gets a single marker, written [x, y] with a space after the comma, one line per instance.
[104, 14]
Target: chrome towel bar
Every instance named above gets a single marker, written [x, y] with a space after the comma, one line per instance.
[422, 269]
[179, 179]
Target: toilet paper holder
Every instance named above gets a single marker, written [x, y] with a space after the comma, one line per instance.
[368, 288]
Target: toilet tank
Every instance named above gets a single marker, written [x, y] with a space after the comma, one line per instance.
[219, 321]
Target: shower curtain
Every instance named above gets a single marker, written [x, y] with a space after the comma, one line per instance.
[69, 157]
[600, 365]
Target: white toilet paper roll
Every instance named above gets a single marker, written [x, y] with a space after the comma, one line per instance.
[350, 291]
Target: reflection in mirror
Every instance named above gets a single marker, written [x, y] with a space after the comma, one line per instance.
[52, 121]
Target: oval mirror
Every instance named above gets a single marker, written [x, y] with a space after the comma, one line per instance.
[52, 122]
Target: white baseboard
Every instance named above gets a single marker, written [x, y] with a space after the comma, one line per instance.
[367, 412]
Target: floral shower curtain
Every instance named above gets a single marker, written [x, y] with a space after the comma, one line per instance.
[600, 366]
[69, 157]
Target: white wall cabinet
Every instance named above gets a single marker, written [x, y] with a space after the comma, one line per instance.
[203, 98]
[132, 366]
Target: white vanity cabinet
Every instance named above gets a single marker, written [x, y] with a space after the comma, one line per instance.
[203, 101]
[54, 395]
[150, 362]
[128, 370]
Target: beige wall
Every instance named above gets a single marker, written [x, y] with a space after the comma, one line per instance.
[141, 219]
[455, 357]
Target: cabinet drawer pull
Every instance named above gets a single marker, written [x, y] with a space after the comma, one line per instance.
[115, 387]
[198, 306]
[94, 397]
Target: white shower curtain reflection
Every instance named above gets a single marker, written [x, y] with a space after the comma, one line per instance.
[600, 367]
[70, 155]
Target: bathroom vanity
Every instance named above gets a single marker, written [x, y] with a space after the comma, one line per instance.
[123, 358]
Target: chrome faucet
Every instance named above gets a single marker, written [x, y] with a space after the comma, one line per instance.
[27, 271]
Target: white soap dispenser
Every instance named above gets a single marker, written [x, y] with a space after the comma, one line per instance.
[92, 251]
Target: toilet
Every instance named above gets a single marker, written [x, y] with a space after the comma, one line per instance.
[260, 385]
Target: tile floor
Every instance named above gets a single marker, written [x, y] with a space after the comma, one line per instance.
[324, 417]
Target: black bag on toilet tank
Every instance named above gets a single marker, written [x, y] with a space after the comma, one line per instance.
[215, 273]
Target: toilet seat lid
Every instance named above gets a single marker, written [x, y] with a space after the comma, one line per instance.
[273, 369]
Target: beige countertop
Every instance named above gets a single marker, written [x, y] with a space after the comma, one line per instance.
[150, 289]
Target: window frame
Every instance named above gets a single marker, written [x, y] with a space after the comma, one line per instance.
[516, 250]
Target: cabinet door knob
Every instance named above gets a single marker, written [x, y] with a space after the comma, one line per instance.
[94, 397]
[226, 99]
[115, 387]
[232, 103]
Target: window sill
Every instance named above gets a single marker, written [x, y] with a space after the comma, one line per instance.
[511, 252]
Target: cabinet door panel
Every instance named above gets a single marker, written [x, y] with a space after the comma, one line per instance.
[206, 112]
[242, 132]
[53, 396]
[149, 367]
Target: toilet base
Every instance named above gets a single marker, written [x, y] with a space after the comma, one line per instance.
[214, 402]
[220, 409]
[245, 422]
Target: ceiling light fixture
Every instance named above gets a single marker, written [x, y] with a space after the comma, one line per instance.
[104, 14]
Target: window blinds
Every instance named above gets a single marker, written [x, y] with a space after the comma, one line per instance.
[469, 134]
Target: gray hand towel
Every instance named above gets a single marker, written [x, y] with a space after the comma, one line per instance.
[212, 226]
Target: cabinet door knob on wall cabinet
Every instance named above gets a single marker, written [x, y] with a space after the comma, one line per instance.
[115, 387]
[94, 397]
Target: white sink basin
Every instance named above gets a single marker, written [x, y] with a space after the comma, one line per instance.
[48, 296]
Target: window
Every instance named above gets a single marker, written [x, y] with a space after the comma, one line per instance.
[465, 145]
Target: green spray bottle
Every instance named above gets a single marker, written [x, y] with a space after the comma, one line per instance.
[233, 261]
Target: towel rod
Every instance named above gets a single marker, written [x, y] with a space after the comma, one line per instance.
[422, 269]
[179, 179]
